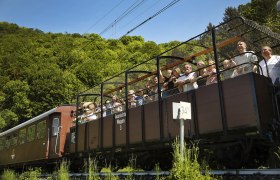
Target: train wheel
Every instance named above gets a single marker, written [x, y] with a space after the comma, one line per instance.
[148, 164]
[231, 157]
[165, 164]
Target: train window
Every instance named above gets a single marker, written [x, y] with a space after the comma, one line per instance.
[73, 137]
[1, 144]
[30, 133]
[22, 136]
[14, 139]
[7, 142]
[41, 130]
[55, 126]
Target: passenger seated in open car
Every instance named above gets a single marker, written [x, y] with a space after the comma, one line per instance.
[89, 112]
[107, 108]
[116, 104]
[228, 65]
[187, 82]
[131, 99]
[211, 72]
[201, 73]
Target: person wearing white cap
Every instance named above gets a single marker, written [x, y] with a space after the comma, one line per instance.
[131, 99]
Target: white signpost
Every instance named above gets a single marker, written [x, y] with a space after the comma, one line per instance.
[182, 111]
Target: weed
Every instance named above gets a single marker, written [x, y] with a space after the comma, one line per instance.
[92, 170]
[186, 165]
[9, 175]
[31, 174]
[63, 171]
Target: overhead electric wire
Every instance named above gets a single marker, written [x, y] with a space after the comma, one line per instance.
[100, 19]
[127, 12]
[140, 14]
[159, 12]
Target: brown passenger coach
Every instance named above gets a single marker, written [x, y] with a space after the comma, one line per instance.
[38, 140]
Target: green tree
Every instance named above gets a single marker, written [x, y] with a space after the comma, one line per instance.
[263, 12]
[47, 87]
[16, 99]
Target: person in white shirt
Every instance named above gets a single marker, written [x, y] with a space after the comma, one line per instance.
[245, 56]
[188, 80]
[270, 65]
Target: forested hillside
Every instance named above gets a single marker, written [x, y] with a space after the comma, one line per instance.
[39, 71]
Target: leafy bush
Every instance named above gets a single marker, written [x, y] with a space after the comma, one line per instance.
[31, 174]
[63, 171]
[9, 175]
[186, 165]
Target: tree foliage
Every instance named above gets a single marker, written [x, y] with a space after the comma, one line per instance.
[263, 12]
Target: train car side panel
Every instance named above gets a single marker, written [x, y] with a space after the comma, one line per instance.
[135, 125]
[81, 137]
[93, 131]
[152, 125]
[108, 131]
[264, 93]
[120, 132]
[241, 110]
[208, 109]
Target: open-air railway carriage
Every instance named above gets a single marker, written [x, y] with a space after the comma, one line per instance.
[235, 119]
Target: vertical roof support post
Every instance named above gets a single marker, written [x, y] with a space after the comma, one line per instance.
[159, 100]
[126, 108]
[220, 85]
[101, 115]
[77, 123]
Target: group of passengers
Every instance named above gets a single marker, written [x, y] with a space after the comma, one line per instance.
[173, 81]
[91, 111]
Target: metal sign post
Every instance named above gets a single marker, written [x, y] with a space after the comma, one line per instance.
[182, 111]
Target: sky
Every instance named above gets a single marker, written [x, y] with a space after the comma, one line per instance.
[112, 19]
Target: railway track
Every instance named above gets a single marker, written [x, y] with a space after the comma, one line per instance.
[232, 174]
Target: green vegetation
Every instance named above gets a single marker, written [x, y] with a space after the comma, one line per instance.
[9, 175]
[92, 169]
[63, 171]
[277, 153]
[186, 165]
[31, 174]
[110, 175]
[157, 169]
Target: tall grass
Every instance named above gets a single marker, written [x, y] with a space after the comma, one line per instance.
[92, 169]
[110, 175]
[131, 167]
[9, 175]
[63, 171]
[157, 169]
[31, 174]
[277, 153]
[186, 165]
